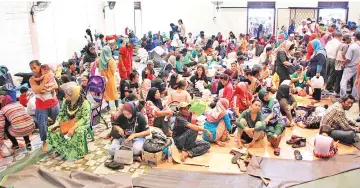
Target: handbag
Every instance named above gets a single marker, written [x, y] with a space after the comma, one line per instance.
[65, 126]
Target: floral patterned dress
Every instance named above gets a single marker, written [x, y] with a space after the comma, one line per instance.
[74, 147]
[151, 110]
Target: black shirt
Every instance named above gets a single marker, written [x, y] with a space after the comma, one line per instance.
[124, 87]
[180, 125]
[136, 126]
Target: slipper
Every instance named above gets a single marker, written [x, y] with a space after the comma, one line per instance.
[299, 144]
[296, 140]
[277, 151]
[241, 165]
[114, 165]
[236, 158]
[295, 137]
[298, 155]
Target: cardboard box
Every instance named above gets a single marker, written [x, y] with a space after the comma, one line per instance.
[152, 158]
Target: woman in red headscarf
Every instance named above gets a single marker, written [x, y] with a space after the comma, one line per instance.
[241, 99]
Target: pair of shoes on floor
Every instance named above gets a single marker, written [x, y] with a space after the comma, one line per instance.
[242, 160]
[297, 141]
[114, 165]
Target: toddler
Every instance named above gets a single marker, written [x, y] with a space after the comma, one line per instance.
[47, 81]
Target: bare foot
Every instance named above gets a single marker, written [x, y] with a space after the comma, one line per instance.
[44, 147]
[250, 145]
[300, 124]
[221, 144]
[79, 161]
[184, 155]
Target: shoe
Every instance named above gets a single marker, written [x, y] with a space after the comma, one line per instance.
[15, 147]
[114, 165]
[277, 151]
[299, 144]
[293, 141]
[298, 155]
[357, 119]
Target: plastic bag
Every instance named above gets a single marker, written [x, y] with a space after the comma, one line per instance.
[198, 107]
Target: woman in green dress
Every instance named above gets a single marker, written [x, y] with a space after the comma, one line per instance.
[71, 145]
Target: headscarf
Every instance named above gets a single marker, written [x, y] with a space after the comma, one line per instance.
[283, 93]
[269, 103]
[219, 111]
[74, 91]
[90, 57]
[316, 44]
[5, 100]
[286, 47]
[324, 40]
[151, 97]
[105, 57]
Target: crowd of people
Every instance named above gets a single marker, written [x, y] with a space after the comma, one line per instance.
[255, 100]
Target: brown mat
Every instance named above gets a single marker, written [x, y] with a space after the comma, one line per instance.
[164, 178]
[40, 177]
[285, 173]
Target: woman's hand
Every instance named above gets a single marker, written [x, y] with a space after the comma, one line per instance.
[71, 132]
[131, 137]
[120, 131]
[170, 112]
[208, 133]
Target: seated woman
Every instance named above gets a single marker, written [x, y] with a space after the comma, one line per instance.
[157, 113]
[199, 76]
[174, 80]
[144, 88]
[241, 99]
[250, 125]
[287, 103]
[218, 123]
[180, 94]
[130, 128]
[188, 60]
[180, 69]
[235, 70]
[274, 123]
[202, 57]
[15, 122]
[300, 79]
[148, 71]
[255, 84]
[75, 110]
[185, 134]
[228, 87]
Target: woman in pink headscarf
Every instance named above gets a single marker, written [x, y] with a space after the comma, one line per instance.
[218, 123]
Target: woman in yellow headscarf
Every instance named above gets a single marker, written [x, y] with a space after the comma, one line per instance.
[66, 136]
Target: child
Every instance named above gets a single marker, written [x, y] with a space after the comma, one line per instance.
[299, 79]
[24, 97]
[47, 81]
[264, 72]
[180, 68]
[317, 83]
[324, 146]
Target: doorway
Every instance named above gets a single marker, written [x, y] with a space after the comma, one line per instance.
[260, 19]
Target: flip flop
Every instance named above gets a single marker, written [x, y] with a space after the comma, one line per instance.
[114, 165]
[299, 144]
[277, 151]
[236, 158]
[241, 165]
[295, 137]
[298, 155]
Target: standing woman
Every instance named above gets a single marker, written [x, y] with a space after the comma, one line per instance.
[318, 59]
[282, 61]
[46, 105]
[107, 68]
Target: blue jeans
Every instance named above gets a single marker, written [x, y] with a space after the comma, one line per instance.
[42, 119]
[137, 145]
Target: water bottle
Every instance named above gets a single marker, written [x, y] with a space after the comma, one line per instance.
[169, 155]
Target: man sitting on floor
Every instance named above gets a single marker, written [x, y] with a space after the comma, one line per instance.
[335, 123]
[185, 133]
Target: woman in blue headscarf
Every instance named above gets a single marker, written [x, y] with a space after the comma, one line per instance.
[318, 59]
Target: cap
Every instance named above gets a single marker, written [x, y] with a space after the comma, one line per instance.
[338, 34]
[184, 105]
[134, 41]
[345, 37]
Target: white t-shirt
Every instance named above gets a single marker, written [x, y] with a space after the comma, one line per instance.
[317, 83]
[98, 46]
[182, 30]
[332, 47]
[176, 42]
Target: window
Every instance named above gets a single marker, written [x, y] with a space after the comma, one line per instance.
[137, 19]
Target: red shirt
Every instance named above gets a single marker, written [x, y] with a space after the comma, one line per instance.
[126, 55]
[43, 105]
[23, 100]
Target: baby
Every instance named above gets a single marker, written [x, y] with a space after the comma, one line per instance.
[47, 82]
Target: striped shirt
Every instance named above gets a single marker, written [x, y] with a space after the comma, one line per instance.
[21, 124]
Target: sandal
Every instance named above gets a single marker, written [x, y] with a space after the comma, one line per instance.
[277, 151]
[114, 165]
[235, 158]
[28, 146]
[241, 165]
[299, 144]
[15, 147]
[298, 155]
[296, 140]
[295, 137]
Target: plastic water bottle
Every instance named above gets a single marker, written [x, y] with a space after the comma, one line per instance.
[169, 155]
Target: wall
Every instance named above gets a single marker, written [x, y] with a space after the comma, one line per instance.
[354, 13]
